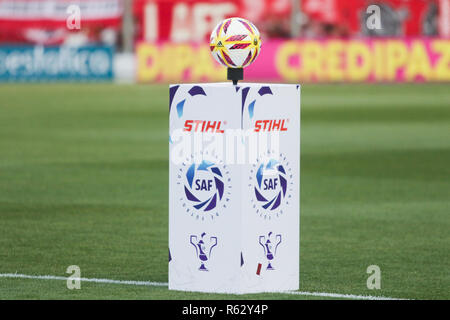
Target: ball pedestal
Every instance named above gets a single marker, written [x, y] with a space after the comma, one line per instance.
[234, 187]
[235, 74]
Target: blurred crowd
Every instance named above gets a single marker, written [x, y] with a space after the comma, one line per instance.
[112, 22]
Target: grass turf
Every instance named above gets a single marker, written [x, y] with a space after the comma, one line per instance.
[83, 180]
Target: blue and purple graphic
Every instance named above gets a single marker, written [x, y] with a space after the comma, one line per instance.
[270, 177]
[205, 186]
[271, 183]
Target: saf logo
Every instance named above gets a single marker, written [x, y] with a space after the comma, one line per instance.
[206, 187]
[271, 184]
[203, 184]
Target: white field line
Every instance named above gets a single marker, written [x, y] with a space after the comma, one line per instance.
[135, 283]
[165, 284]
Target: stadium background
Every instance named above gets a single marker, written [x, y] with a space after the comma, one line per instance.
[83, 139]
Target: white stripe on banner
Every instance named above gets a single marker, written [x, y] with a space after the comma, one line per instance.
[165, 284]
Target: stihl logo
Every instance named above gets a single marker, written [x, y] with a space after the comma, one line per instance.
[203, 126]
[271, 125]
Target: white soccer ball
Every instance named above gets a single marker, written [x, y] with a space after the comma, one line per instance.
[235, 43]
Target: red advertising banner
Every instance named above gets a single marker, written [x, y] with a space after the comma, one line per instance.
[181, 20]
[45, 21]
[400, 18]
[192, 20]
[331, 60]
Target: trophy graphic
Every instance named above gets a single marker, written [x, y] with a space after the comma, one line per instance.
[202, 252]
[269, 251]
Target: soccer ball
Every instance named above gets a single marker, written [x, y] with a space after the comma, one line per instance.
[235, 43]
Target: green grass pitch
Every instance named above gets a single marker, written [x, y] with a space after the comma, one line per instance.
[84, 181]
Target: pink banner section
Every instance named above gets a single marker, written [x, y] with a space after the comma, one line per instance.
[330, 60]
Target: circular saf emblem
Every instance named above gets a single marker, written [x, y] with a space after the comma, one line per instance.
[271, 184]
[205, 187]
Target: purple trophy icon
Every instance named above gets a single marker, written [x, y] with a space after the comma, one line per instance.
[269, 251]
[202, 252]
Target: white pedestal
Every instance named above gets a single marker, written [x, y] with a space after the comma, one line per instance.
[234, 187]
